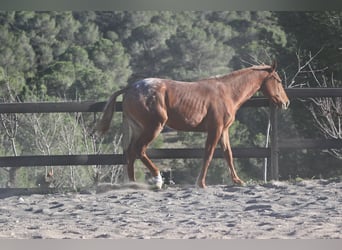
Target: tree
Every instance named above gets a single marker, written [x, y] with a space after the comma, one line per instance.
[111, 58]
[326, 112]
[57, 78]
[196, 54]
[17, 55]
[255, 34]
[314, 40]
[147, 44]
[310, 32]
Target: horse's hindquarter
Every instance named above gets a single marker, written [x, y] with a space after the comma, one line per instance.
[144, 102]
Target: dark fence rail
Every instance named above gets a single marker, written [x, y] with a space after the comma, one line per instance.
[112, 159]
[88, 106]
[313, 92]
[69, 107]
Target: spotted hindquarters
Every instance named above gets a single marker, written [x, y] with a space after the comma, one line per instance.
[144, 116]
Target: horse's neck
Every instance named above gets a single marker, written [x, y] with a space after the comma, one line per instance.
[242, 87]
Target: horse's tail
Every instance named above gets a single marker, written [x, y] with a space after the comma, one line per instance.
[103, 125]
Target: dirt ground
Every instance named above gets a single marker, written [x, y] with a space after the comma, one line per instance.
[304, 210]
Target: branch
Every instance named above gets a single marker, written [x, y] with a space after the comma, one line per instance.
[326, 112]
[301, 68]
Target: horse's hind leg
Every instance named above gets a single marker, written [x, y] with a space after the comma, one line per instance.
[130, 159]
[228, 155]
[147, 136]
[131, 130]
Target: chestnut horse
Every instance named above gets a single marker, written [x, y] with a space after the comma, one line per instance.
[207, 105]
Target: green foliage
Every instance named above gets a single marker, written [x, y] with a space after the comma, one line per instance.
[197, 54]
[310, 32]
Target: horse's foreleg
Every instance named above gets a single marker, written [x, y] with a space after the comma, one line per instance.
[228, 155]
[210, 145]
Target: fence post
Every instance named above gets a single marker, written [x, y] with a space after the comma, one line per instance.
[274, 143]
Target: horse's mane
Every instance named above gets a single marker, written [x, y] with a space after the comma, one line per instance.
[239, 72]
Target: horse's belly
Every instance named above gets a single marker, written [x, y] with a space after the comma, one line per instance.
[183, 123]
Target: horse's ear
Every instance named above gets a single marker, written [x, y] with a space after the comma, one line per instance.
[274, 65]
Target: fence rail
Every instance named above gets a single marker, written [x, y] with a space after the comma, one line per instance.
[277, 144]
[83, 107]
[176, 153]
[111, 159]
[92, 106]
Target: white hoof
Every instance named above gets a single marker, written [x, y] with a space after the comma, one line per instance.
[157, 181]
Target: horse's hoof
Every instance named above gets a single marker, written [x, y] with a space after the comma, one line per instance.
[239, 182]
[157, 181]
[200, 185]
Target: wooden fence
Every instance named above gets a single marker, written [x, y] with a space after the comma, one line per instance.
[272, 152]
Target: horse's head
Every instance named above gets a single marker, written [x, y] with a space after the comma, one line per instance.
[272, 87]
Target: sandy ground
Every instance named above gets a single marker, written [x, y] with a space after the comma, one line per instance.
[308, 209]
